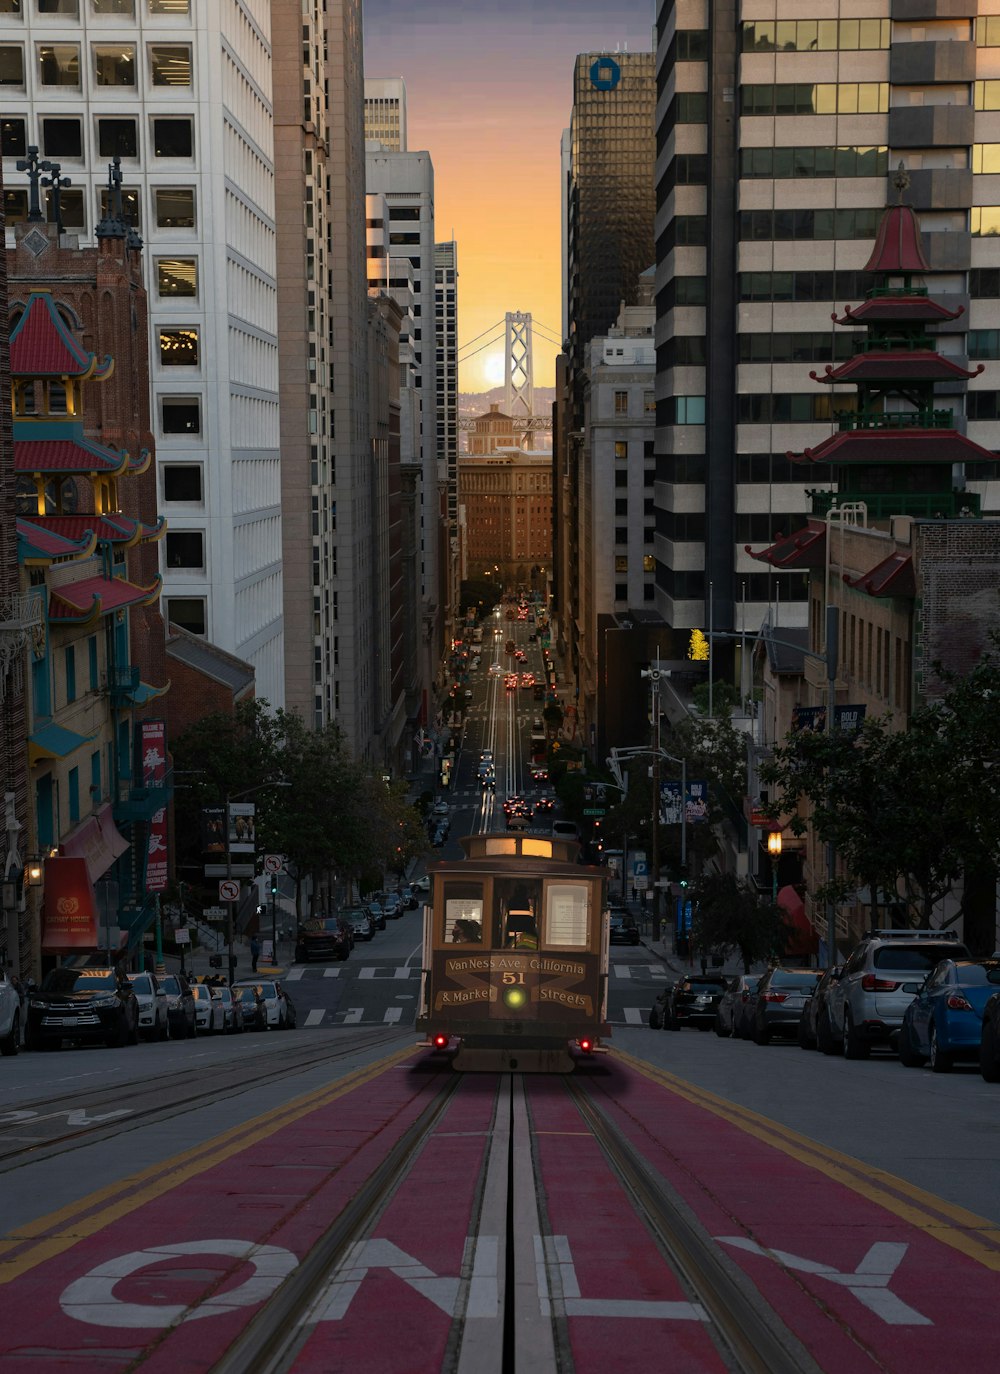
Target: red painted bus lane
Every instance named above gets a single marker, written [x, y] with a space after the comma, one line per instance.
[207, 1246]
[861, 1267]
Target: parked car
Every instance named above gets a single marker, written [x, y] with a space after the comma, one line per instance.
[224, 996]
[989, 1044]
[82, 1004]
[866, 1006]
[291, 1015]
[694, 1000]
[624, 930]
[944, 1022]
[273, 996]
[732, 1004]
[422, 884]
[391, 904]
[408, 896]
[781, 995]
[152, 1003]
[374, 908]
[252, 1009]
[208, 1013]
[815, 1003]
[361, 922]
[10, 1015]
[441, 808]
[180, 1006]
[322, 937]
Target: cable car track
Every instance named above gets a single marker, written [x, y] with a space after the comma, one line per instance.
[531, 1330]
[209, 1087]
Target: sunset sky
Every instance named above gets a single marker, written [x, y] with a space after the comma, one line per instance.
[489, 88]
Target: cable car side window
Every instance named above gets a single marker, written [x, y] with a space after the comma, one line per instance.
[463, 913]
[567, 915]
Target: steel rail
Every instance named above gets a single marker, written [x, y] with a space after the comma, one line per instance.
[754, 1337]
[253, 1076]
[273, 1337]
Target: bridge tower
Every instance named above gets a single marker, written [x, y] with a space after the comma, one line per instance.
[519, 386]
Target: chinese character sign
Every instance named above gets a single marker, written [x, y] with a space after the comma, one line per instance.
[154, 772]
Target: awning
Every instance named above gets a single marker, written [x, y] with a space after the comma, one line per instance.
[53, 742]
[803, 940]
[98, 841]
[69, 909]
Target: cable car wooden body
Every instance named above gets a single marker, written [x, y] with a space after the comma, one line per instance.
[515, 955]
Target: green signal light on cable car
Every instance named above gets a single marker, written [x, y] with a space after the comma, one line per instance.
[515, 997]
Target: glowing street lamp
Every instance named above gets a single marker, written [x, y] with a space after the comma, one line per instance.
[774, 849]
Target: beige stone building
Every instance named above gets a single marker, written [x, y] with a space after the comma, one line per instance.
[506, 496]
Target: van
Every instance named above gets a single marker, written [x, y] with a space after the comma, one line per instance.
[565, 830]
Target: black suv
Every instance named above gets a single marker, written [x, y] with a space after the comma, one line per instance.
[694, 1001]
[323, 937]
[83, 1004]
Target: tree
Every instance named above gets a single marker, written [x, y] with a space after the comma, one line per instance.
[729, 915]
[908, 811]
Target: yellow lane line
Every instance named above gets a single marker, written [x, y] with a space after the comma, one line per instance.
[877, 1185]
[61, 1230]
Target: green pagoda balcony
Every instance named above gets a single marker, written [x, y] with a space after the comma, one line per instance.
[122, 685]
[142, 803]
[910, 419]
[926, 505]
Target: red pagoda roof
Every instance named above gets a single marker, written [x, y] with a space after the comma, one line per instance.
[897, 244]
[894, 576]
[94, 596]
[124, 530]
[903, 364]
[41, 345]
[806, 548]
[37, 544]
[879, 309]
[67, 455]
[895, 446]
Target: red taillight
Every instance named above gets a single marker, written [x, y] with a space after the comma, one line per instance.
[775, 997]
[586, 1046]
[872, 984]
[959, 1003]
[440, 1041]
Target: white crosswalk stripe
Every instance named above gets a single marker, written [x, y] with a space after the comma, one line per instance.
[315, 1017]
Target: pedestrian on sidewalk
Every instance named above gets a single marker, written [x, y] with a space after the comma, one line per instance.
[254, 952]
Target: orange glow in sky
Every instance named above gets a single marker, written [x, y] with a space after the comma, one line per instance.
[489, 91]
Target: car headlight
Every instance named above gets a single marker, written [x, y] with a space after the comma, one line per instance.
[40, 1005]
[107, 999]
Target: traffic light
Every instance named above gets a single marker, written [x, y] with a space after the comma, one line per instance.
[274, 887]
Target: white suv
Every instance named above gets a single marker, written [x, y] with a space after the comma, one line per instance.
[881, 978]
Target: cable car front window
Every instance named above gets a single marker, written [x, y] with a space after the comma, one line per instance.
[567, 915]
[463, 913]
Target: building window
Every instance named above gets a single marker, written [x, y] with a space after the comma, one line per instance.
[69, 669]
[126, 8]
[62, 138]
[11, 64]
[689, 410]
[185, 549]
[182, 482]
[73, 788]
[169, 6]
[188, 612]
[174, 207]
[72, 216]
[780, 163]
[92, 662]
[130, 205]
[117, 138]
[96, 790]
[180, 414]
[648, 563]
[177, 277]
[815, 35]
[114, 64]
[10, 6]
[984, 220]
[805, 98]
[173, 138]
[70, 8]
[983, 343]
[179, 347]
[621, 402]
[13, 137]
[621, 591]
[59, 64]
[170, 64]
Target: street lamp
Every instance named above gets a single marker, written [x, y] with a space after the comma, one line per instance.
[774, 849]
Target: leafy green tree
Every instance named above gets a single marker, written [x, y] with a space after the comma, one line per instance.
[729, 915]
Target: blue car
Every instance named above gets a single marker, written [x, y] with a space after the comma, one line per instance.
[945, 1019]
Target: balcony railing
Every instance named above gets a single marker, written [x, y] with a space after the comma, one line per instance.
[921, 505]
[142, 803]
[905, 419]
[121, 684]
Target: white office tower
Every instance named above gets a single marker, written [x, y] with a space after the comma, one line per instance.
[180, 92]
[405, 182]
[385, 112]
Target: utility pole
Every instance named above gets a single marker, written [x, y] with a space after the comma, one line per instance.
[653, 674]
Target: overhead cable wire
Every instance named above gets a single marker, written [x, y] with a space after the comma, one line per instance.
[497, 324]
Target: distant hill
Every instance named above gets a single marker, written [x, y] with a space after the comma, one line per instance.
[472, 403]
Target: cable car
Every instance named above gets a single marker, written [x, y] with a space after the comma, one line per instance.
[515, 955]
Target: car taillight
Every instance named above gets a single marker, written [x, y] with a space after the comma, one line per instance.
[775, 997]
[586, 1046]
[872, 984]
[959, 1003]
[440, 1041]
